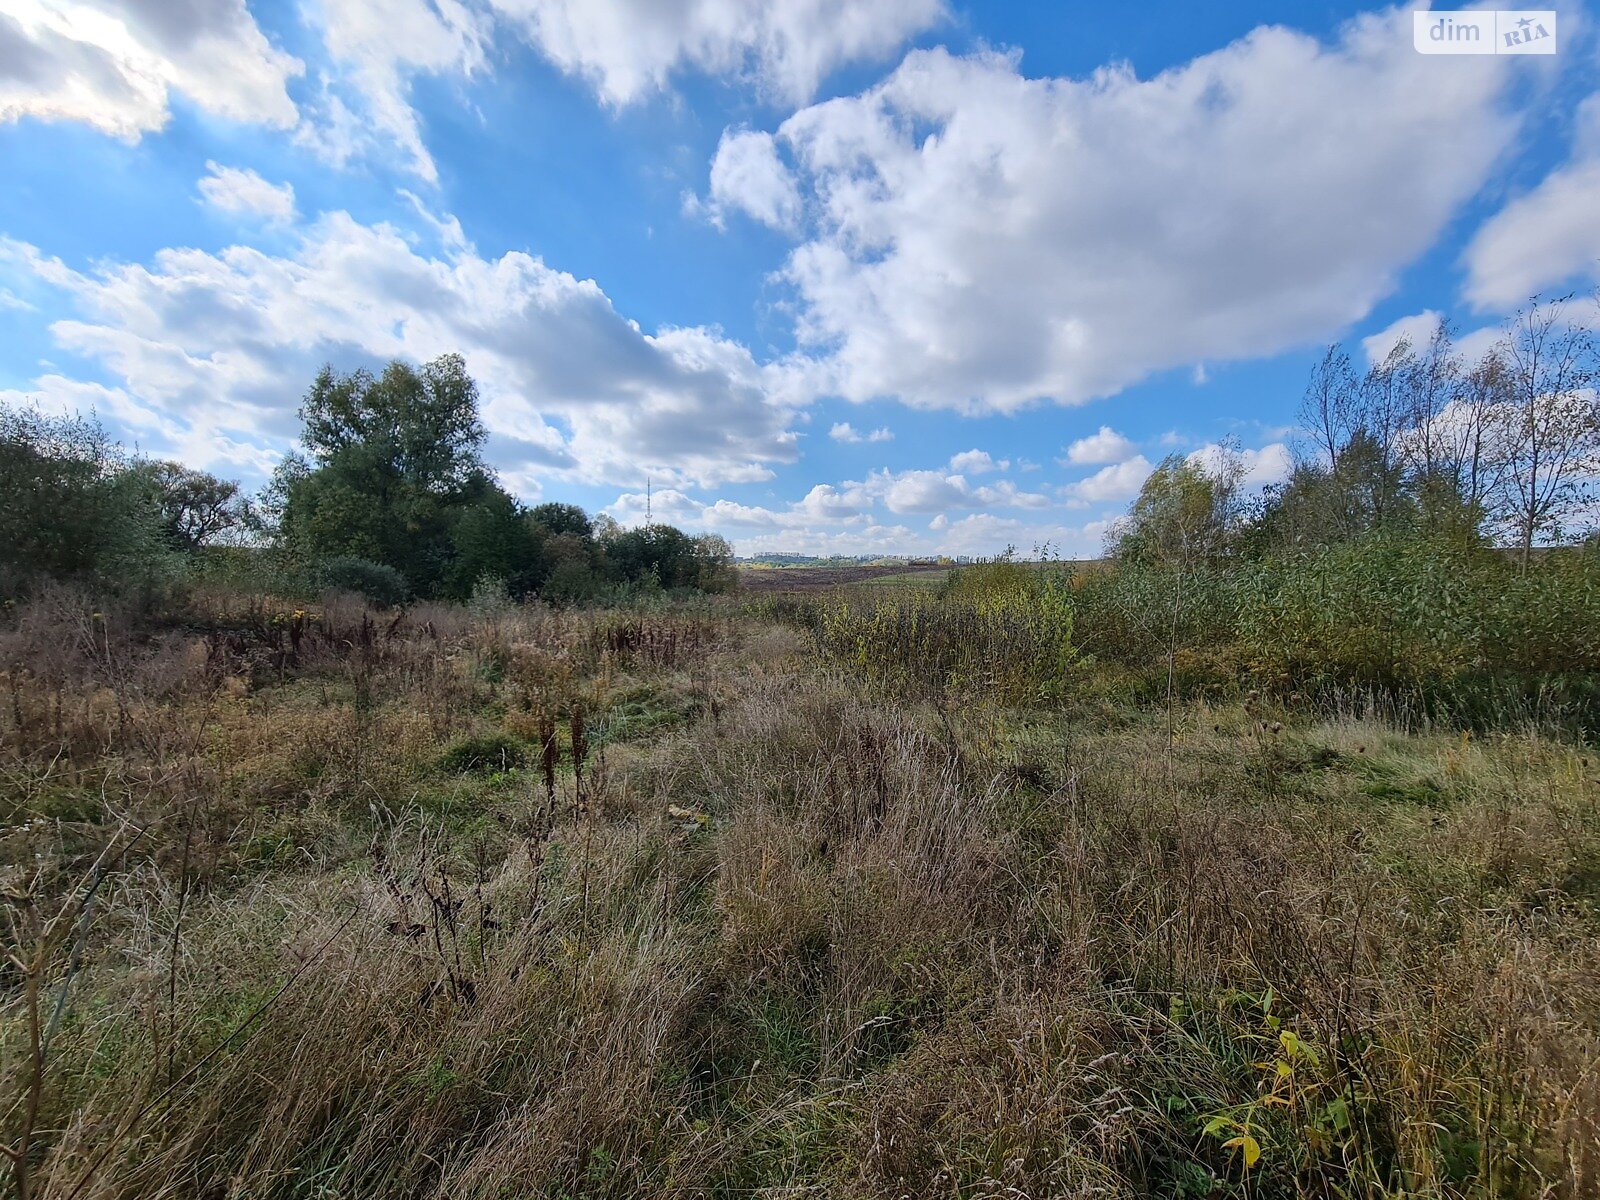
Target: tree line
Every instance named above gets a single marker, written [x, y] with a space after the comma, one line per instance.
[1425, 444]
[389, 496]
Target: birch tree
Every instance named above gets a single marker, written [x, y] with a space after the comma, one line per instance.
[1548, 424]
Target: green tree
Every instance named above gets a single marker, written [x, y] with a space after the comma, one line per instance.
[1319, 505]
[558, 519]
[1184, 514]
[661, 553]
[392, 462]
[493, 537]
[74, 505]
[197, 508]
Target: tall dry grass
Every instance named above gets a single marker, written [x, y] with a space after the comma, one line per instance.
[741, 923]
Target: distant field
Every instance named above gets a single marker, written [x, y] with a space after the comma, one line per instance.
[922, 577]
[808, 579]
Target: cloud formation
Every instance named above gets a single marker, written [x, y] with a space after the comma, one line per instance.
[376, 48]
[980, 240]
[242, 191]
[115, 64]
[628, 49]
[843, 431]
[747, 175]
[1104, 446]
[888, 513]
[1260, 467]
[215, 350]
[1546, 237]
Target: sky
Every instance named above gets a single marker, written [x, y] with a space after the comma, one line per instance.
[824, 276]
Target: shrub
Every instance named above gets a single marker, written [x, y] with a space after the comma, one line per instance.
[1130, 614]
[488, 752]
[1391, 611]
[76, 507]
[1461, 632]
[377, 583]
[1013, 643]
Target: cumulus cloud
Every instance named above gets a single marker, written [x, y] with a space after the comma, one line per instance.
[977, 462]
[843, 431]
[748, 176]
[845, 519]
[1114, 483]
[1104, 446]
[1546, 237]
[1417, 329]
[939, 491]
[114, 64]
[870, 516]
[242, 191]
[627, 49]
[1268, 464]
[221, 346]
[980, 240]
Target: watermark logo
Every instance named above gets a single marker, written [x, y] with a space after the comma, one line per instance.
[1530, 31]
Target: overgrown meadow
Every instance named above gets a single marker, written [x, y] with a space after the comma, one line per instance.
[1038, 881]
[383, 836]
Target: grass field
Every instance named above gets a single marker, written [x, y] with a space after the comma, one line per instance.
[688, 901]
[812, 579]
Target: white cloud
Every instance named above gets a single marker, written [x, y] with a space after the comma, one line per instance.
[628, 49]
[1104, 446]
[241, 191]
[1417, 329]
[147, 428]
[977, 462]
[114, 64]
[979, 240]
[985, 535]
[378, 47]
[1547, 237]
[747, 175]
[1117, 482]
[826, 502]
[854, 516]
[1269, 464]
[843, 431]
[924, 492]
[446, 228]
[1478, 343]
[220, 346]
[937, 491]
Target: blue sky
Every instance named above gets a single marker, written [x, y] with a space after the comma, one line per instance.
[833, 276]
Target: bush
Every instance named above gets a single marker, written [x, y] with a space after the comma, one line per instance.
[571, 582]
[76, 508]
[1464, 633]
[489, 752]
[1131, 614]
[988, 634]
[375, 582]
